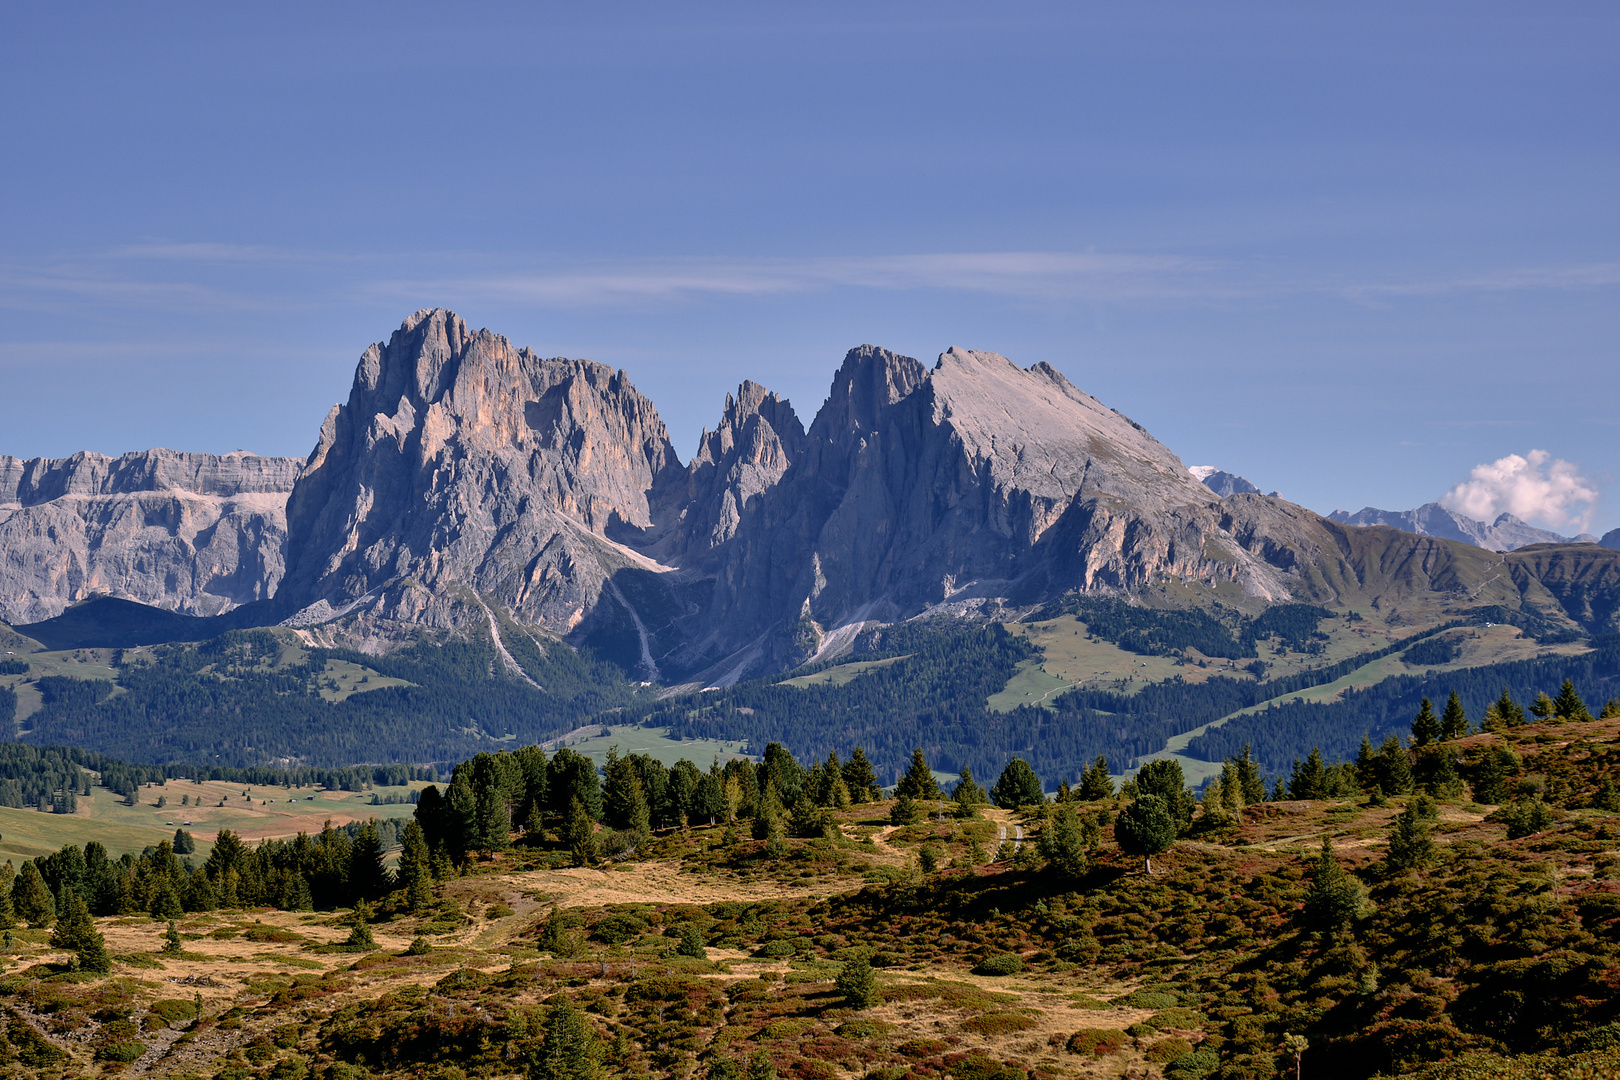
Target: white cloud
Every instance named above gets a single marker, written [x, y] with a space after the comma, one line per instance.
[1536, 487]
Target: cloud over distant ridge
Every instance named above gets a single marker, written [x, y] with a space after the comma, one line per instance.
[1535, 487]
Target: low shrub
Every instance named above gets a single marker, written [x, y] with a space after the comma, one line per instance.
[1189, 1066]
[998, 1023]
[1098, 1042]
[1001, 964]
[1147, 999]
[1168, 1050]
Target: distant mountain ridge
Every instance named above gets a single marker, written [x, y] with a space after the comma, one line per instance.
[198, 534]
[1506, 533]
[473, 486]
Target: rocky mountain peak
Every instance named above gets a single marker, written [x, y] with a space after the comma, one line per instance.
[869, 381]
[459, 458]
[758, 437]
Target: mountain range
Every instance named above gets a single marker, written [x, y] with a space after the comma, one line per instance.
[467, 483]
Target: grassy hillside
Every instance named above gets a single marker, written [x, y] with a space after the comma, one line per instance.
[1488, 957]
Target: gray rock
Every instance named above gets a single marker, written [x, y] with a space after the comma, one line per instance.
[1223, 483]
[1506, 533]
[194, 533]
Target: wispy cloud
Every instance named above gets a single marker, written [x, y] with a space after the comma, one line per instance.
[1038, 275]
[1579, 277]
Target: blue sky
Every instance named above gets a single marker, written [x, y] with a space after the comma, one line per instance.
[1350, 251]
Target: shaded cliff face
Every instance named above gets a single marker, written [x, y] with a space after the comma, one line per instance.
[758, 437]
[194, 533]
[461, 465]
[974, 479]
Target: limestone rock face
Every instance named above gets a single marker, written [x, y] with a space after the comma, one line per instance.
[462, 468]
[194, 533]
[974, 479]
[758, 437]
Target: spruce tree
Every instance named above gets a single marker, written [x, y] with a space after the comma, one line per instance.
[1426, 725]
[369, 878]
[1544, 708]
[1503, 713]
[579, 834]
[1394, 768]
[1410, 844]
[31, 899]
[860, 779]
[172, 945]
[1333, 898]
[1310, 780]
[415, 869]
[1366, 766]
[1251, 783]
[857, 983]
[570, 1050]
[1096, 782]
[1062, 843]
[691, 943]
[1017, 786]
[968, 792]
[1611, 710]
[1568, 704]
[1454, 721]
[76, 932]
[919, 782]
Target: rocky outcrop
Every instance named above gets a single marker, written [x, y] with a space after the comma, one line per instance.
[463, 470]
[1506, 533]
[194, 533]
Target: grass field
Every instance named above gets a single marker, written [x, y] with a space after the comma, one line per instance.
[654, 742]
[843, 673]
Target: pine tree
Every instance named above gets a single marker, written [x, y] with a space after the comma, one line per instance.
[1096, 782]
[579, 834]
[31, 899]
[1394, 768]
[1543, 708]
[415, 870]
[1410, 844]
[1568, 704]
[1061, 843]
[570, 1050]
[857, 983]
[369, 878]
[919, 782]
[1611, 710]
[1250, 782]
[1333, 898]
[1145, 827]
[691, 943]
[1502, 714]
[1366, 766]
[968, 792]
[172, 945]
[860, 779]
[76, 932]
[1436, 773]
[1310, 780]
[1454, 721]
[1163, 777]
[1017, 786]
[1426, 726]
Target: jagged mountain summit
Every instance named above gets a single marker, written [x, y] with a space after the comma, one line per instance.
[195, 533]
[1222, 482]
[470, 485]
[1506, 533]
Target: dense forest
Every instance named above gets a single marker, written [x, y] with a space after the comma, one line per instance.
[1290, 730]
[223, 703]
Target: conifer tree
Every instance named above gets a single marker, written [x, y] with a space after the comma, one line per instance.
[415, 869]
[1410, 844]
[490, 829]
[76, 932]
[1017, 786]
[1250, 782]
[31, 899]
[691, 943]
[1310, 780]
[1163, 777]
[1145, 827]
[369, 878]
[1436, 773]
[919, 782]
[1611, 710]
[1061, 842]
[1453, 721]
[172, 945]
[1366, 765]
[1543, 708]
[1568, 704]
[860, 779]
[570, 1050]
[1394, 768]
[968, 792]
[1096, 782]
[579, 834]
[1502, 714]
[1426, 725]
[1334, 898]
[857, 983]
